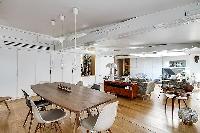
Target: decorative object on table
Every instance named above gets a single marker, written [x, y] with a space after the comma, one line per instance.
[188, 115]
[65, 88]
[112, 66]
[127, 78]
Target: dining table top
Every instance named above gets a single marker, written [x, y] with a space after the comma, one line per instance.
[79, 99]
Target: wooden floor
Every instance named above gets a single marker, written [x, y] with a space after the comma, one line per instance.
[134, 116]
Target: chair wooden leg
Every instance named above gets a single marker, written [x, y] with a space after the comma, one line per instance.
[58, 124]
[88, 131]
[26, 118]
[41, 127]
[166, 103]
[37, 127]
[185, 103]
[30, 122]
[55, 126]
[179, 103]
[7, 106]
[51, 126]
[109, 130]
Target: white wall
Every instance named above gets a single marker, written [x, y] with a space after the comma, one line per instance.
[26, 71]
[152, 66]
[171, 58]
[22, 68]
[8, 72]
[101, 69]
[33, 66]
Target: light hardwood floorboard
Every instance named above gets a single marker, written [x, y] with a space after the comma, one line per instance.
[134, 116]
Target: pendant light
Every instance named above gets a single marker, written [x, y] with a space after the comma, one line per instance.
[53, 23]
[62, 18]
[74, 65]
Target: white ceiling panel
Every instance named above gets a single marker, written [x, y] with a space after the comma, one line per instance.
[35, 15]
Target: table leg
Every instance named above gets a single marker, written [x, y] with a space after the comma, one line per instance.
[185, 103]
[77, 122]
[166, 103]
[7, 106]
[173, 99]
[179, 103]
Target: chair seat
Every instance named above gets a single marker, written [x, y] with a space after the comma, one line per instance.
[4, 98]
[53, 115]
[89, 122]
[181, 98]
[170, 95]
[41, 103]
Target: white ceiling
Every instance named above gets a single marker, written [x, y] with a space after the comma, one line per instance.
[187, 33]
[35, 15]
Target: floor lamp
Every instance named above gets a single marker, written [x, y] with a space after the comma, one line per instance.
[112, 66]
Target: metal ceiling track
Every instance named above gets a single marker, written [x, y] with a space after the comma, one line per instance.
[137, 25]
[10, 36]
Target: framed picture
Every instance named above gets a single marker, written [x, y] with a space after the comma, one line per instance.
[88, 65]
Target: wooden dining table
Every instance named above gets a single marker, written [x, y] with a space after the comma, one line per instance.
[78, 100]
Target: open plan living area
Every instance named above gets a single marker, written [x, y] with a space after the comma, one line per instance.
[99, 66]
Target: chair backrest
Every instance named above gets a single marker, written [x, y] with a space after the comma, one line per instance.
[26, 97]
[106, 117]
[35, 111]
[150, 87]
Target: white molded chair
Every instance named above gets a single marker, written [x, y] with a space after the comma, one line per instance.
[45, 117]
[103, 121]
[150, 88]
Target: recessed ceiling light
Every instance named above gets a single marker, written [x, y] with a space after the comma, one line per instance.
[85, 26]
[95, 44]
[136, 43]
[53, 22]
[135, 47]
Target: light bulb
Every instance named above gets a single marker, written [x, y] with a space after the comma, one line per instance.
[62, 17]
[75, 11]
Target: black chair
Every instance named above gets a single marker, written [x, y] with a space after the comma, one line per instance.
[96, 87]
[41, 104]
